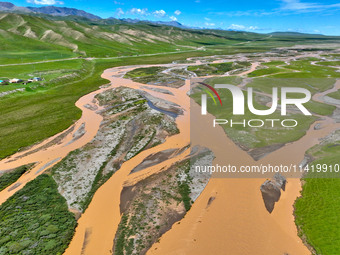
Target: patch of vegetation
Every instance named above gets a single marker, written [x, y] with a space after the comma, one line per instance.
[316, 214]
[141, 142]
[120, 241]
[313, 71]
[316, 210]
[154, 75]
[217, 68]
[329, 63]
[144, 72]
[209, 69]
[335, 95]
[274, 63]
[12, 176]
[36, 220]
[266, 84]
[266, 71]
[184, 187]
[320, 108]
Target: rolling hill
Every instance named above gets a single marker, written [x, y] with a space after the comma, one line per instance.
[79, 36]
[105, 38]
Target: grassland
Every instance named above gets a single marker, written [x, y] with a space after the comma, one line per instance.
[314, 85]
[329, 63]
[12, 176]
[335, 95]
[317, 214]
[266, 71]
[317, 209]
[306, 69]
[51, 72]
[39, 224]
[32, 116]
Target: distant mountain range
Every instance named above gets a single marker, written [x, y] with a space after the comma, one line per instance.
[9, 7]
[165, 23]
[61, 13]
[65, 11]
[50, 10]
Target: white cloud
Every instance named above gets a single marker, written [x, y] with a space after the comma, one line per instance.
[118, 3]
[236, 27]
[137, 11]
[207, 19]
[159, 13]
[242, 27]
[44, 2]
[297, 5]
[119, 12]
[253, 28]
[255, 13]
[287, 6]
[145, 12]
[209, 24]
[177, 12]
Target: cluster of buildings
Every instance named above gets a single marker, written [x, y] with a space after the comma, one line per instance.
[5, 82]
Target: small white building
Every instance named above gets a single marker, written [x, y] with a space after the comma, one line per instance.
[15, 81]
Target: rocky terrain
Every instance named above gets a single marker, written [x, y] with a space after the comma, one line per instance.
[129, 126]
[154, 204]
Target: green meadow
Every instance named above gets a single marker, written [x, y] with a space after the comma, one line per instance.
[40, 223]
[48, 107]
[317, 210]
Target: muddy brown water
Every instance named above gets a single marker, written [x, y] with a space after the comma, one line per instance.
[235, 223]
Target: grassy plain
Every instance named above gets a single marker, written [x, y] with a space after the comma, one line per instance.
[31, 116]
[317, 210]
[39, 224]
